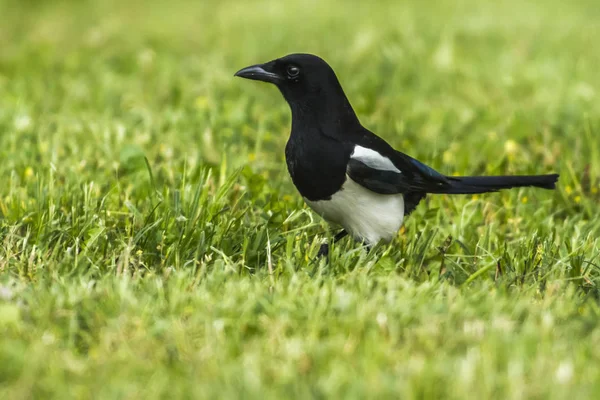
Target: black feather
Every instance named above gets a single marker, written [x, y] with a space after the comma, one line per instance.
[484, 184]
[411, 201]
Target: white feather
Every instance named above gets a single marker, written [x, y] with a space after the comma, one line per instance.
[366, 215]
[373, 159]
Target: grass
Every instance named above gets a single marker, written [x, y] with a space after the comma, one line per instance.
[144, 201]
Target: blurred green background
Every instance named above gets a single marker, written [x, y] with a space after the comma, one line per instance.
[144, 198]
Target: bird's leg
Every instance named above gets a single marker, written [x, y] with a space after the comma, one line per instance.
[324, 249]
[341, 234]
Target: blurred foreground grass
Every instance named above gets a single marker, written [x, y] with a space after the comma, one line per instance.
[143, 189]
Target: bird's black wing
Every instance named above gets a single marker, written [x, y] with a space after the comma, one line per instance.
[377, 180]
[387, 171]
[392, 173]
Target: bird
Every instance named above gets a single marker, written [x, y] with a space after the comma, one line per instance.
[347, 174]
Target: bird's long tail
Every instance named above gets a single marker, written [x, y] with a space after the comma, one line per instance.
[484, 184]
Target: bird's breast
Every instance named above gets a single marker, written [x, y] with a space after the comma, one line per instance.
[317, 167]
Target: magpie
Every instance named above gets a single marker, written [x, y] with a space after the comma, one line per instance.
[347, 174]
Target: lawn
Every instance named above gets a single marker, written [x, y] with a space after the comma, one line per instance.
[153, 245]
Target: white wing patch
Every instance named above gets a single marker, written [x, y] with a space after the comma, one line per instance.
[373, 159]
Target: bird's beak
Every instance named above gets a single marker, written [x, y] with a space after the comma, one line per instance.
[259, 72]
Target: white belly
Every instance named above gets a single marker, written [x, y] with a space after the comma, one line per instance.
[366, 215]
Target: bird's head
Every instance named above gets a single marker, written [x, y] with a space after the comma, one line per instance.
[299, 77]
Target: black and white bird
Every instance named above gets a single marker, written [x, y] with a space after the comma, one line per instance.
[346, 173]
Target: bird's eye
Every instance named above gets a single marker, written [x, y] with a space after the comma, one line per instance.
[293, 71]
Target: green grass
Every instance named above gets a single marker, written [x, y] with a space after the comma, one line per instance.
[144, 200]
